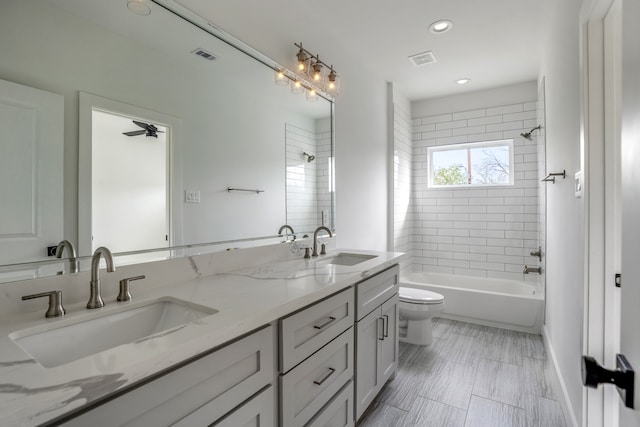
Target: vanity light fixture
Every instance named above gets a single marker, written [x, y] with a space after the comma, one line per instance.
[313, 77]
[322, 75]
[441, 26]
[463, 81]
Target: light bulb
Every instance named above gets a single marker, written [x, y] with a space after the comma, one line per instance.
[281, 78]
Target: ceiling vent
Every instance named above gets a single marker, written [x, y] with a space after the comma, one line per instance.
[424, 58]
[203, 53]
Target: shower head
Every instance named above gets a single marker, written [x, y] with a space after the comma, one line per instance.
[310, 158]
[527, 135]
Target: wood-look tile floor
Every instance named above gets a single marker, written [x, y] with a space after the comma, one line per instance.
[470, 376]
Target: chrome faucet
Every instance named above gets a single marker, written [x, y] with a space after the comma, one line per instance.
[315, 239]
[95, 299]
[290, 228]
[73, 261]
[527, 270]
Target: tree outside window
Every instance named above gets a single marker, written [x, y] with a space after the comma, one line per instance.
[475, 164]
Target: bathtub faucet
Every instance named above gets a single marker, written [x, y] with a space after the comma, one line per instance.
[527, 270]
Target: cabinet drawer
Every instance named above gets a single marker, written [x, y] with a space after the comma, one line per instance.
[372, 292]
[311, 384]
[218, 383]
[338, 412]
[256, 412]
[307, 331]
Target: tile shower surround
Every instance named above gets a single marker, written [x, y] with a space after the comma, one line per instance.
[307, 182]
[470, 376]
[478, 231]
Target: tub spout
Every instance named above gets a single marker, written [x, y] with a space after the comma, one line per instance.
[527, 270]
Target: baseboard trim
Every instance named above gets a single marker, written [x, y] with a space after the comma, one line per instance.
[567, 409]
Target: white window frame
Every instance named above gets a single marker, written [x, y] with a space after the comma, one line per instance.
[479, 144]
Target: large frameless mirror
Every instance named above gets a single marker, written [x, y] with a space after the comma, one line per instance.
[155, 128]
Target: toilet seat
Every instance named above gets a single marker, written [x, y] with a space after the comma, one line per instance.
[419, 296]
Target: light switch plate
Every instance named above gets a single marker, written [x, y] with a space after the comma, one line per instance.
[192, 196]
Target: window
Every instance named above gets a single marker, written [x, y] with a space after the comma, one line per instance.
[474, 164]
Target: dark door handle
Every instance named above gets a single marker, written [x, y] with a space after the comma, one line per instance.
[623, 377]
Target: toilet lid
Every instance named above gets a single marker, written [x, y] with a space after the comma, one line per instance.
[420, 296]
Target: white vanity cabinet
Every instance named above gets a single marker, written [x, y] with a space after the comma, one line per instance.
[317, 356]
[376, 336]
[223, 386]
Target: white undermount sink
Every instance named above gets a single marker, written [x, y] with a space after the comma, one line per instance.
[59, 345]
[347, 259]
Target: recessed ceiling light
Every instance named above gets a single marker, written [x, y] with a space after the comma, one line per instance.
[138, 7]
[441, 26]
[463, 81]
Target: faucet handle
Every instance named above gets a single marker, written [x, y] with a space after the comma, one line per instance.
[55, 302]
[124, 294]
[323, 249]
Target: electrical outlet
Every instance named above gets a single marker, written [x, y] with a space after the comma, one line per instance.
[192, 196]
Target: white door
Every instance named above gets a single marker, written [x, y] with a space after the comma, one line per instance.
[630, 192]
[31, 172]
[614, 112]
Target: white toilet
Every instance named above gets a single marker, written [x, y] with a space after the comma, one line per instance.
[417, 307]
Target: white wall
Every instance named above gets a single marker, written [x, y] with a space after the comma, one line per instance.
[362, 160]
[404, 217]
[565, 246]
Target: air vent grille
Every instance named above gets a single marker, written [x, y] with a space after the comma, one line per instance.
[424, 58]
[204, 54]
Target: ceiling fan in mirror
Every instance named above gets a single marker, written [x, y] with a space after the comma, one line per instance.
[147, 129]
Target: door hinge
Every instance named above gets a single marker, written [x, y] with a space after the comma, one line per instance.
[618, 280]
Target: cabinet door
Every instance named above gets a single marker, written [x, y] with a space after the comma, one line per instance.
[338, 412]
[257, 412]
[307, 331]
[209, 387]
[369, 333]
[374, 291]
[389, 346]
[307, 388]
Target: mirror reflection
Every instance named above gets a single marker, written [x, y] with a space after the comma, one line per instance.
[82, 76]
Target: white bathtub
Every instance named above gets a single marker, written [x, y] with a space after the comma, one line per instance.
[508, 304]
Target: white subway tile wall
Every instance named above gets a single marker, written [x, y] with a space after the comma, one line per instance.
[486, 232]
[302, 204]
[308, 193]
[324, 196]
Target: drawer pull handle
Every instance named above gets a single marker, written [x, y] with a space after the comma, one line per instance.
[325, 324]
[325, 377]
[380, 330]
[386, 325]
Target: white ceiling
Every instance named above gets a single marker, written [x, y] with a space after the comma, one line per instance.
[493, 42]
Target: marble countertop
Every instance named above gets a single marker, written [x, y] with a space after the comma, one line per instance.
[246, 299]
